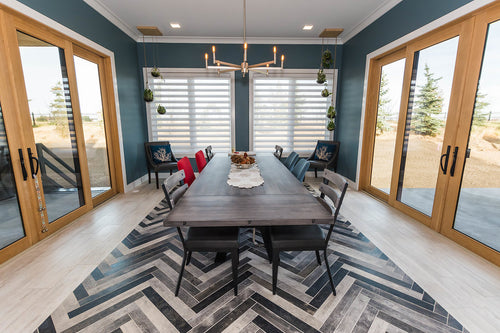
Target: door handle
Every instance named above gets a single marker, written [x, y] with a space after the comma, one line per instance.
[32, 158]
[452, 169]
[23, 167]
[447, 155]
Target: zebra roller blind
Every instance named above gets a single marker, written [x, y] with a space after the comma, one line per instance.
[287, 109]
[199, 110]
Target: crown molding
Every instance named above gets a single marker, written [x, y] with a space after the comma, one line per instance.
[233, 40]
[102, 9]
[381, 10]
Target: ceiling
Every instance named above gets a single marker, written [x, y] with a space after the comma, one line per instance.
[267, 20]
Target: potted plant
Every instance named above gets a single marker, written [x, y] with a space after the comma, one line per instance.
[161, 109]
[155, 72]
[326, 59]
[321, 77]
[325, 92]
[148, 95]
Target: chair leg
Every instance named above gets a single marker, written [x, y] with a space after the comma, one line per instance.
[318, 258]
[180, 273]
[149, 175]
[157, 180]
[329, 274]
[188, 258]
[267, 242]
[315, 173]
[170, 172]
[235, 261]
[276, 263]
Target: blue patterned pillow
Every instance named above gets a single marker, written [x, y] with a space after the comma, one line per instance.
[161, 154]
[324, 151]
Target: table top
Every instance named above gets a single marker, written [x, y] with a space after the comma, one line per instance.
[281, 200]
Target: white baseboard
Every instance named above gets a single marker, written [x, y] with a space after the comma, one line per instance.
[129, 187]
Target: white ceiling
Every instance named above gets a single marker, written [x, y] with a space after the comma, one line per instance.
[267, 20]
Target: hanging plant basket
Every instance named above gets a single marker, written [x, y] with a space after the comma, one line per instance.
[148, 95]
[331, 125]
[161, 109]
[326, 59]
[321, 77]
[331, 113]
[155, 72]
[325, 92]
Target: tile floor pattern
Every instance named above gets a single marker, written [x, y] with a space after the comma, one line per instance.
[132, 290]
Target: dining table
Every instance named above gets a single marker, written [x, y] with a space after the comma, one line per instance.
[281, 200]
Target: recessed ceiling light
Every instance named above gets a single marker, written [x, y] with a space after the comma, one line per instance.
[307, 27]
[175, 25]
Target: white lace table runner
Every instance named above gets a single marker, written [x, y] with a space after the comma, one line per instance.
[245, 178]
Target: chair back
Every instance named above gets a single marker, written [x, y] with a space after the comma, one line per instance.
[210, 155]
[299, 170]
[291, 160]
[335, 193]
[327, 151]
[172, 192]
[201, 162]
[278, 152]
[150, 146]
[185, 164]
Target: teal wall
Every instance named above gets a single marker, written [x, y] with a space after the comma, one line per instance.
[404, 18]
[193, 55]
[83, 19]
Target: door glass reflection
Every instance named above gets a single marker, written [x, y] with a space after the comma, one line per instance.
[430, 90]
[49, 101]
[478, 208]
[11, 223]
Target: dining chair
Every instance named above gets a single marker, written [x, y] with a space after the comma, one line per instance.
[201, 162]
[299, 170]
[291, 160]
[278, 152]
[310, 237]
[159, 157]
[185, 164]
[201, 239]
[209, 152]
[324, 156]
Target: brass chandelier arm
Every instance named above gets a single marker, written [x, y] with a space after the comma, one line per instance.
[227, 64]
[271, 62]
[229, 70]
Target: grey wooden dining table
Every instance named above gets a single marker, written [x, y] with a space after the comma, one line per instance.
[281, 200]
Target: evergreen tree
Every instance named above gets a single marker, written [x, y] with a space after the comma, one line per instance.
[428, 105]
[58, 112]
[383, 111]
[480, 114]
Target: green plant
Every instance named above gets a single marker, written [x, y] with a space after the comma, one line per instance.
[325, 92]
[156, 72]
[148, 95]
[326, 59]
[321, 77]
[161, 109]
[331, 113]
[331, 125]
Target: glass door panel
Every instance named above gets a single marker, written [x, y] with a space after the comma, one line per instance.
[478, 208]
[430, 89]
[389, 100]
[47, 87]
[11, 222]
[91, 108]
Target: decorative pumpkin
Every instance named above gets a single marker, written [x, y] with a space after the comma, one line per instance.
[161, 109]
[148, 95]
[331, 125]
[321, 77]
[326, 59]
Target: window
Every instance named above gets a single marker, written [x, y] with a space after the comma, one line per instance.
[287, 109]
[199, 109]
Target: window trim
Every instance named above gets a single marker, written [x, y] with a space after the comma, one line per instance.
[190, 71]
[307, 73]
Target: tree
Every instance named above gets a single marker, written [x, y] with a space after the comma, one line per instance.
[58, 111]
[428, 105]
[480, 114]
[383, 111]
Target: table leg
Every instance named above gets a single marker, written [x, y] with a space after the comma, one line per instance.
[220, 257]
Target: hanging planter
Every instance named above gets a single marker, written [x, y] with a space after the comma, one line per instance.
[321, 77]
[326, 59]
[155, 72]
[161, 109]
[331, 125]
[148, 95]
[331, 113]
[325, 92]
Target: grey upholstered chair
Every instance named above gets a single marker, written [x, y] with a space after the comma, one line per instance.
[299, 170]
[324, 156]
[291, 160]
[278, 152]
[309, 237]
[201, 239]
[159, 157]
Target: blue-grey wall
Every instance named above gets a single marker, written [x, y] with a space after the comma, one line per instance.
[193, 56]
[83, 19]
[404, 18]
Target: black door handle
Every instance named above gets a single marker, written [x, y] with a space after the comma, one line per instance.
[452, 169]
[23, 167]
[32, 158]
[447, 155]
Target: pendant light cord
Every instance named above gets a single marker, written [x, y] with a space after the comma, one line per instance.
[145, 60]
[244, 21]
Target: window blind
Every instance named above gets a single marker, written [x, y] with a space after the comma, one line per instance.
[288, 110]
[199, 110]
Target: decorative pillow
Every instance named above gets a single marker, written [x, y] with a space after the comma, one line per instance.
[161, 154]
[324, 151]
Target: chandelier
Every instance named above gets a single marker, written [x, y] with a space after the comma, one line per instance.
[224, 67]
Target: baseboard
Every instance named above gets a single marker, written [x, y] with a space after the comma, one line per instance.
[130, 186]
